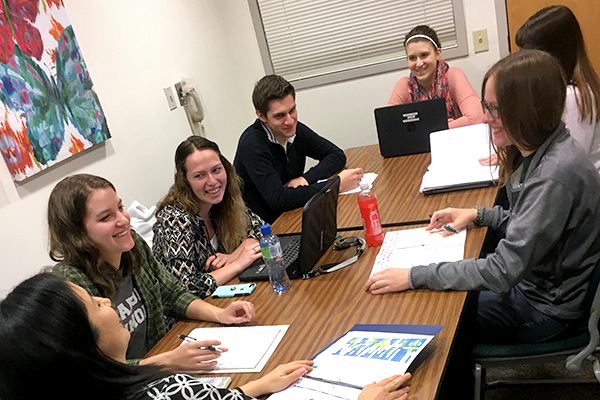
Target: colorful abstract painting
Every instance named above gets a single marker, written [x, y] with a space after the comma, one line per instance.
[51, 111]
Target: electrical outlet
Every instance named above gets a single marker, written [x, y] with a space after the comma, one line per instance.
[170, 98]
[480, 40]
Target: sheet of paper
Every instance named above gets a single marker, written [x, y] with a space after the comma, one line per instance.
[409, 247]
[250, 347]
[455, 155]
[367, 178]
[309, 389]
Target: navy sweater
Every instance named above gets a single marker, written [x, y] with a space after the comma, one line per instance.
[265, 167]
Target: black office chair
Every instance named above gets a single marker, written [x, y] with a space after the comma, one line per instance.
[575, 349]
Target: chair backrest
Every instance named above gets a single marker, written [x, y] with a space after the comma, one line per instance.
[588, 302]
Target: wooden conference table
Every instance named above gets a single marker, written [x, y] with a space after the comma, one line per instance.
[321, 309]
[397, 189]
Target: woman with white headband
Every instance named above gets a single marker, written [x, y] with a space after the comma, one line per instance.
[431, 77]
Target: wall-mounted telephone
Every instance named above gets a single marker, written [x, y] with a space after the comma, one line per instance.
[191, 103]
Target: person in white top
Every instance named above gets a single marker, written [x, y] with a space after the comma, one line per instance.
[555, 30]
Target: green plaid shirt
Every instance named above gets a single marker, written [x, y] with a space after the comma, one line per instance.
[161, 292]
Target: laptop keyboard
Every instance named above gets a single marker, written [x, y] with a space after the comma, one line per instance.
[290, 252]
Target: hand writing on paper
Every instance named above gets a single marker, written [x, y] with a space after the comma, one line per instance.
[458, 218]
[388, 280]
[190, 357]
[350, 179]
[386, 389]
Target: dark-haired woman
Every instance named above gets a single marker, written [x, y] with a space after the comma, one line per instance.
[431, 77]
[555, 29]
[91, 238]
[532, 286]
[204, 234]
[57, 341]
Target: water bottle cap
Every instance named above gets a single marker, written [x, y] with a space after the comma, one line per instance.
[364, 186]
[265, 229]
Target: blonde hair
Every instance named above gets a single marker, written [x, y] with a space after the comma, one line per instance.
[229, 216]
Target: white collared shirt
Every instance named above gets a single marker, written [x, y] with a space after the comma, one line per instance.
[273, 139]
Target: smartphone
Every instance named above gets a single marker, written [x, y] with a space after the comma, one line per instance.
[243, 289]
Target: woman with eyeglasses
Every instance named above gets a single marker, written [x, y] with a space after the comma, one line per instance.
[57, 341]
[531, 288]
[431, 77]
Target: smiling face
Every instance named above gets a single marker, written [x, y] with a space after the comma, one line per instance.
[113, 338]
[207, 177]
[107, 225]
[281, 119]
[422, 59]
[499, 135]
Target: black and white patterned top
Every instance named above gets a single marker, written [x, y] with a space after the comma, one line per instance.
[181, 244]
[186, 387]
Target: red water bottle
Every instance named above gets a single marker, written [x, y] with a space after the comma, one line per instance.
[367, 202]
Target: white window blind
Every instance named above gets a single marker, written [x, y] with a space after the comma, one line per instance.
[312, 42]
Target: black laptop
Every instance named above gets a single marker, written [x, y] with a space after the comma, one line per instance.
[404, 129]
[319, 229]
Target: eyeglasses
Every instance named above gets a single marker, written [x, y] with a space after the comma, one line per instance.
[493, 110]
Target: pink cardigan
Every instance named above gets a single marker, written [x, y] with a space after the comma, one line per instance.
[462, 92]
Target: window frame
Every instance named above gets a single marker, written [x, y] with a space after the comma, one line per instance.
[460, 50]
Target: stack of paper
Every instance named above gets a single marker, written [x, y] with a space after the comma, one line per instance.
[409, 247]
[455, 155]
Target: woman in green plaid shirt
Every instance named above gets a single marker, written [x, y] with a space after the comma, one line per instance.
[91, 238]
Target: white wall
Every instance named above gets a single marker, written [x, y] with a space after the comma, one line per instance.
[135, 48]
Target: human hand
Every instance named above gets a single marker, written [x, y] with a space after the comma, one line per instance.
[278, 379]
[190, 357]
[248, 252]
[458, 218]
[388, 280]
[299, 181]
[350, 179]
[386, 389]
[218, 260]
[489, 161]
[237, 312]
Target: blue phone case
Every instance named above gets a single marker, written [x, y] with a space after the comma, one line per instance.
[243, 289]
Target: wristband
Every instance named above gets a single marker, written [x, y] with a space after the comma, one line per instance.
[479, 217]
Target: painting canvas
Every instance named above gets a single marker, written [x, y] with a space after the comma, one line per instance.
[51, 111]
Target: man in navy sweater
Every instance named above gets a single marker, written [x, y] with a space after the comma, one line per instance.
[271, 154]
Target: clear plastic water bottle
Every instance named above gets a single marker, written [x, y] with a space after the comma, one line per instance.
[273, 256]
[367, 202]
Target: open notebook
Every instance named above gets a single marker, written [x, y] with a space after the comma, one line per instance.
[365, 354]
[455, 155]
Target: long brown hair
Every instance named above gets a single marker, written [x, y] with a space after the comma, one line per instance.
[555, 29]
[530, 90]
[229, 215]
[69, 241]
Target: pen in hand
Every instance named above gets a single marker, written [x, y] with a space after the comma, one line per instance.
[445, 225]
[211, 348]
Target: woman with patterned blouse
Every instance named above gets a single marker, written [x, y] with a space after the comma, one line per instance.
[57, 341]
[204, 234]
